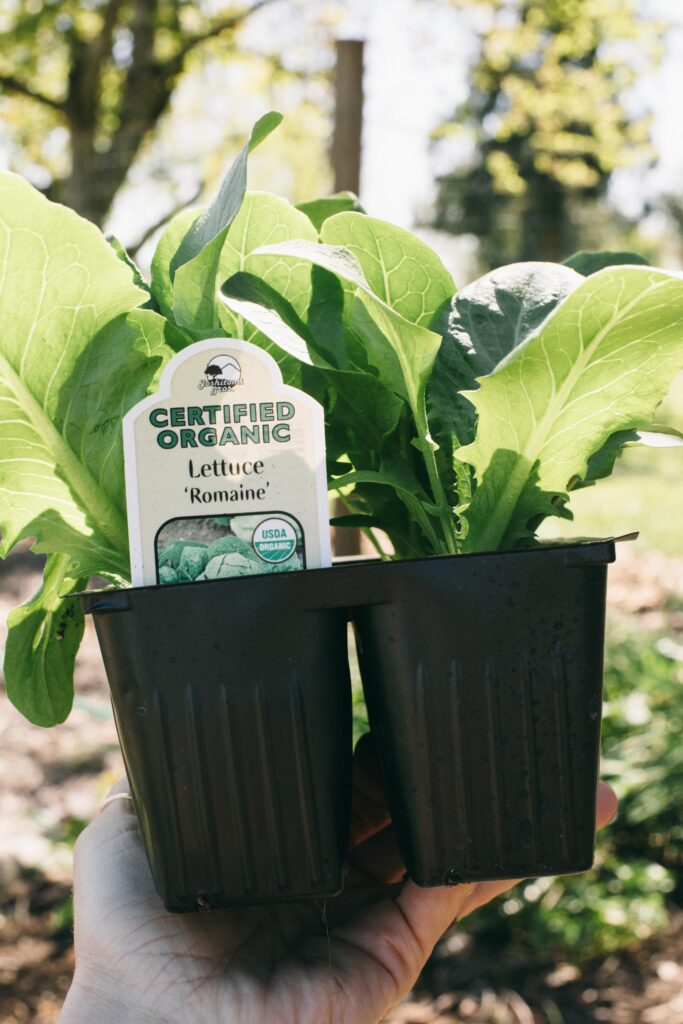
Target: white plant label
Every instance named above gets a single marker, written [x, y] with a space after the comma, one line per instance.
[225, 470]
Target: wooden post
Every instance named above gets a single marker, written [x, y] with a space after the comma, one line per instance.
[346, 162]
[348, 119]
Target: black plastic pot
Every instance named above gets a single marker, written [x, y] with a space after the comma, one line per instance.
[232, 705]
[483, 679]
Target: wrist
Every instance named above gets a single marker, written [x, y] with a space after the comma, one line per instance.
[88, 1001]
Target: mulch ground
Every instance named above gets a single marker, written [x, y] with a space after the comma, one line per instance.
[51, 781]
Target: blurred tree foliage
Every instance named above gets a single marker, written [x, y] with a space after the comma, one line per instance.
[548, 119]
[105, 71]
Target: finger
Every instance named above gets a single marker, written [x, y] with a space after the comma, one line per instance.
[115, 824]
[120, 786]
[379, 858]
[431, 911]
[119, 795]
[607, 804]
[375, 850]
[369, 811]
[109, 860]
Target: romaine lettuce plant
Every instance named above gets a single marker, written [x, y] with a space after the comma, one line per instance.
[455, 422]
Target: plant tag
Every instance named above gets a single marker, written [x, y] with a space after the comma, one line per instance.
[225, 470]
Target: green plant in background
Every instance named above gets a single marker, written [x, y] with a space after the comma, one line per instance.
[454, 422]
[615, 905]
[638, 864]
[642, 752]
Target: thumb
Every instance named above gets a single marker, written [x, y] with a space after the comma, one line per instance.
[430, 912]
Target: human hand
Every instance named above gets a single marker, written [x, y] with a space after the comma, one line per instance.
[348, 960]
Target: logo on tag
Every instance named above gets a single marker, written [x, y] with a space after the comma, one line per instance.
[222, 373]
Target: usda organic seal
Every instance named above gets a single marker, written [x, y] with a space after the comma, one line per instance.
[274, 540]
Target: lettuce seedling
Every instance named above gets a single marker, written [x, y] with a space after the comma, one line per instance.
[455, 422]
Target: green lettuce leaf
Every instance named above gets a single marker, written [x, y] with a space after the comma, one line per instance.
[61, 285]
[488, 319]
[222, 211]
[601, 464]
[264, 217]
[136, 273]
[599, 364]
[320, 210]
[402, 352]
[399, 268]
[121, 364]
[365, 412]
[361, 413]
[267, 316]
[271, 324]
[194, 267]
[588, 263]
[497, 313]
[166, 249]
[452, 419]
[399, 479]
[42, 642]
[61, 468]
[78, 355]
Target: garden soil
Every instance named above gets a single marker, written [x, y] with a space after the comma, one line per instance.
[52, 781]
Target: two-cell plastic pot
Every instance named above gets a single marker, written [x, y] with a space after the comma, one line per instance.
[483, 680]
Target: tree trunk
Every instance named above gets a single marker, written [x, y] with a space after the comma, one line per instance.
[89, 188]
[97, 176]
[544, 232]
